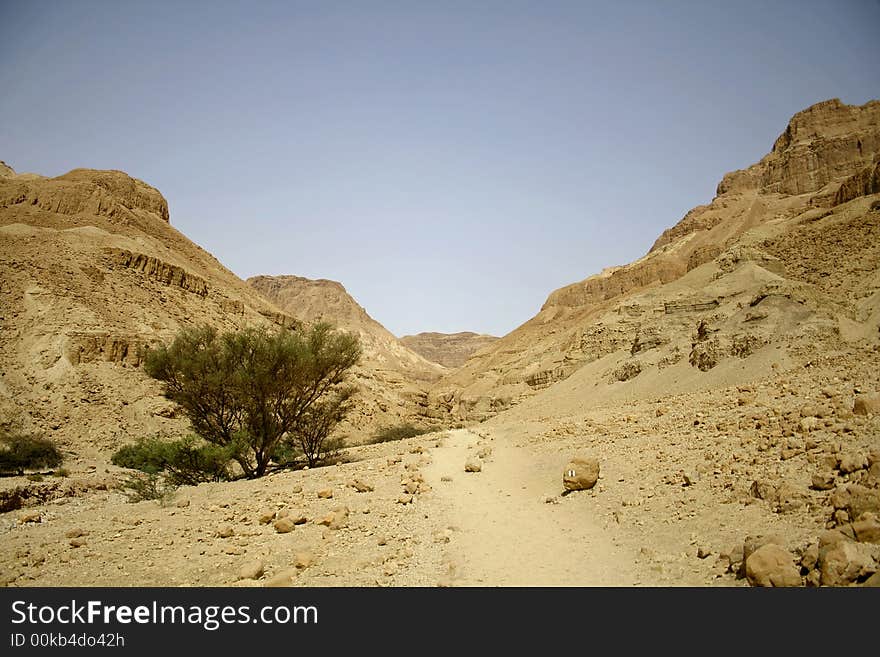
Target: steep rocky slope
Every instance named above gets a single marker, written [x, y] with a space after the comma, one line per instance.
[784, 255]
[449, 349]
[397, 376]
[92, 271]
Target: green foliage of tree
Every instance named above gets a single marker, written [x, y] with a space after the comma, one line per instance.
[184, 462]
[253, 390]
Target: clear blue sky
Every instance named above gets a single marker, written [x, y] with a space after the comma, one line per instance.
[450, 163]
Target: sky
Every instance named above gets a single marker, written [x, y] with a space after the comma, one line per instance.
[451, 163]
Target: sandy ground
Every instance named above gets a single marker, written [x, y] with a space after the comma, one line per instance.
[512, 526]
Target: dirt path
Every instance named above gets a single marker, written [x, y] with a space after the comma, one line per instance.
[504, 533]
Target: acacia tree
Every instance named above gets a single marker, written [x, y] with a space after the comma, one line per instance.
[249, 390]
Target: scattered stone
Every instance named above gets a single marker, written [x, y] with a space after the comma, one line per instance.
[853, 462]
[77, 542]
[810, 557]
[284, 525]
[303, 560]
[75, 533]
[753, 543]
[336, 519]
[266, 517]
[809, 424]
[763, 489]
[484, 452]
[282, 513]
[789, 453]
[282, 579]
[856, 499]
[296, 489]
[325, 493]
[771, 565]
[845, 562]
[182, 504]
[867, 404]
[703, 552]
[299, 520]
[405, 499]
[252, 570]
[581, 473]
[225, 531]
[833, 536]
[732, 557]
[689, 477]
[441, 536]
[361, 486]
[473, 464]
[867, 530]
[823, 481]
[411, 487]
[30, 517]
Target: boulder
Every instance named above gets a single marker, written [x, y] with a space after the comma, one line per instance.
[284, 525]
[325, 493]
[856, 499]
[581, 473]
[823, 481]
[252, 570]
[845, 562]
[266, 517]
[282, 579]
[853, 462]
[752, 543]
[771, 565]
[336, 519]
[867, 530]
[867, 404]
[473, 464]
[361, 486]
[302, 560]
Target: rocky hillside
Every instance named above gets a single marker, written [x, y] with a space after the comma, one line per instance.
[449, 349]
[92, 271]
[396, 375]
[787, 253]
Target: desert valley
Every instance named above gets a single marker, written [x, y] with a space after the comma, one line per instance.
[727, 384]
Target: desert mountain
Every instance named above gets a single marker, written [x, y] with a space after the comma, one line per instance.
[787, 253]
[396, 376]
[92, 271]
[322, 300]
[725, 385]
[449, 349]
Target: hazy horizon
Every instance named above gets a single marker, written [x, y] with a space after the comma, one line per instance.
[449, 163]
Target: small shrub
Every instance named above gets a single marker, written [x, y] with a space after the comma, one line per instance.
[35, 477]
[143, 486]
[629, 370]
[61, 472]
[397, 432]
[184, 462]
[20, 452]
[330, 452]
